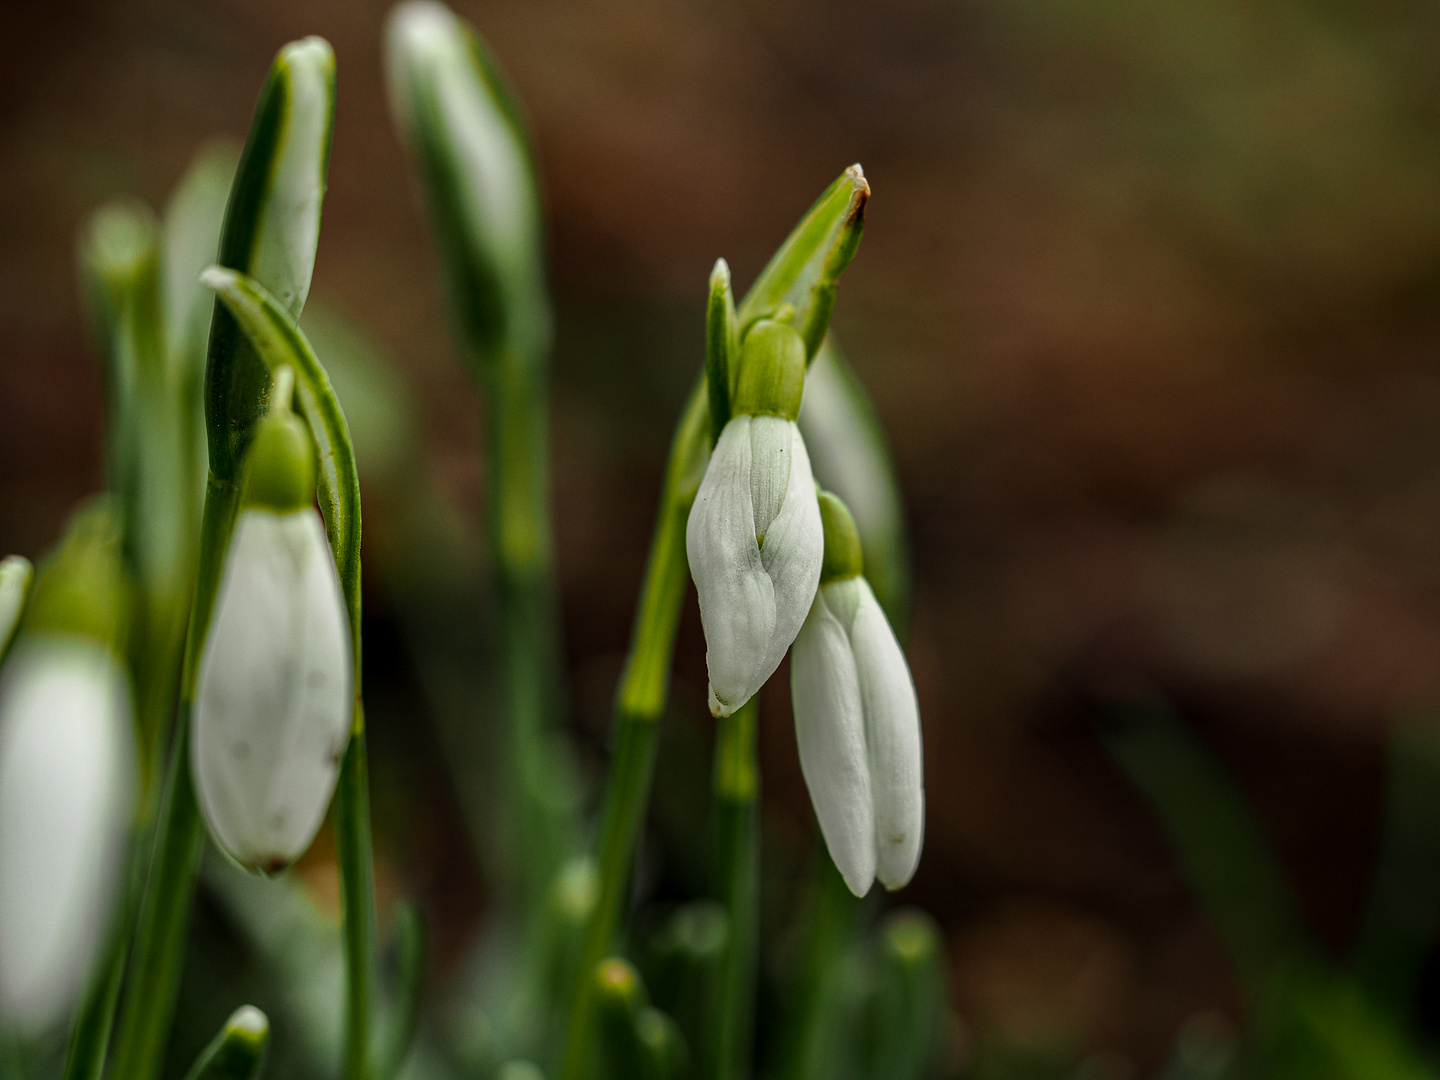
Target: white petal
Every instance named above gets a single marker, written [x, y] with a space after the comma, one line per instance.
[794, 549]
[892, 732]
[830, 733]
[273, 706]
[737, 600]
[67, 764]
[770, 459]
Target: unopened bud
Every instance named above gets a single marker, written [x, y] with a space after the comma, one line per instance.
[273, 698]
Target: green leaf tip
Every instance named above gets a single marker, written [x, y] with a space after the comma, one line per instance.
[271, 231]
[806, 269]
[248, 1024]
[237, 1052]
[460, 122]
[15, 575]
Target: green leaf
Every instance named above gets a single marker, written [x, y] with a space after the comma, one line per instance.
[272, 228]
[1217, 842]
[237, 1052]
[461, 123]
[805, 270]
[409, 991]
[909, 1002]
[191, 242]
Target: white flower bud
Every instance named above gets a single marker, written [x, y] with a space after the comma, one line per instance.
[755, 544]
[67, 793]
[273, 702]
[857, 723]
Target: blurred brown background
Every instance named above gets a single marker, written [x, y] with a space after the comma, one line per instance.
[1149, 302]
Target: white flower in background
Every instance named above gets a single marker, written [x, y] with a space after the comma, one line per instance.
[273, 699]
[67, 777]
[754, 537]
[857, 721]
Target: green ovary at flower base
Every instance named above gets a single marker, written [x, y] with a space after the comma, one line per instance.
[273, 699]
[857, 721]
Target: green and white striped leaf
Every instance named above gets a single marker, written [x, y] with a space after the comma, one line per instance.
[272, 228]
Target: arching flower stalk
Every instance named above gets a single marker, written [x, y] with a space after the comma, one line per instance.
[857, 720]
[754, 537]
[273, 701]
[67, 777]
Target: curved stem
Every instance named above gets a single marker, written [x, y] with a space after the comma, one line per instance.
[643, 691]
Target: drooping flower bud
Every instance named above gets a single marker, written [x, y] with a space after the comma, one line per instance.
[754, 537]
[273, 698]
[857, 720]
[67, 777]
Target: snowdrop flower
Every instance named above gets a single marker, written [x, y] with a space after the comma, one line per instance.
[754, 537]
[273, 699]
[857, 720]
[67, 779]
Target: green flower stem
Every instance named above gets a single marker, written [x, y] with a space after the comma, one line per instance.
[542, 833]
[158, 954]
[354, 853]
[730, 1017]
[458, 118]
[643, 691]
[817, 1016]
